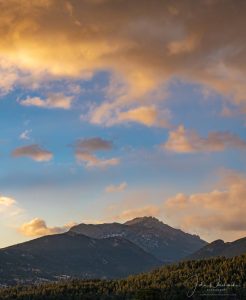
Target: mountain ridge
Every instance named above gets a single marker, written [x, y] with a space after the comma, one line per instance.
[152, 235]
[71, 255]
[220, 248]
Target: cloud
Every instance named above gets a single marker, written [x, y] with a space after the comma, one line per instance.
[149, 210]
[35, 152]
[25, 135]
[216, 213]
[137, 203]
[233, 111]
[143, 46]
[220, 212]
[91, 160]
[8, 77]
[116, 188]
[38, 227]
[94, 144]
[56, 100]
[9, 207]
[145, 115]
[85, 149]
[125, 105]
[181, 140]
[6, 201]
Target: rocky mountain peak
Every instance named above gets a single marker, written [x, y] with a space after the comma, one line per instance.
[146, 221]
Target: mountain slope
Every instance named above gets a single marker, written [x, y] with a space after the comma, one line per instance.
[155, 237]
[220, 248]
[70, 254]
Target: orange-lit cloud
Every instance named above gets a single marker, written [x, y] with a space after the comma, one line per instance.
[143, 45]
[35, 152]
[148, 210]
[38, 227]
[116, 188]
[90, 160]
[181, 140]
[146, 115]
[218, 213]
[143, 114]
[133, 204]
[53, 101]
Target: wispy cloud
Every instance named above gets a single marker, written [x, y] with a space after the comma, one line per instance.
[9, 207]
[181, 140]
[116, 188]
[25, 135]
[145, 115]
[91, 160]
[56, 100]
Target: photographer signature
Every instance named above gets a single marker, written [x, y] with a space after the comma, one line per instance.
[198, 284]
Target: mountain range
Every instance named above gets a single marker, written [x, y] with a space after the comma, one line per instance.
[62, 256]
[220, 248]
[104, 251]
[162, 241]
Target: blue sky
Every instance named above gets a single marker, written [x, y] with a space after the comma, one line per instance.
[168, 137]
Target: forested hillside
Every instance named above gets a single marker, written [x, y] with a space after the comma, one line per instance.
[186, 280]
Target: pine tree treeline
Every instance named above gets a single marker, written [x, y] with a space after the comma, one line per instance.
[169, 282]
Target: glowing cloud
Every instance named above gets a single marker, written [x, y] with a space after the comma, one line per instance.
[149, 210]
[53, 101]
[181, 140]
[144, 45]
[220, 212]
[38, 227]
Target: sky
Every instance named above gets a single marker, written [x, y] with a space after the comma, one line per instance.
[113, 109]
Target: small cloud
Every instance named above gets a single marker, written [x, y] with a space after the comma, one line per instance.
[56, 100]
[116, 188]
[91, 160]
[9, 207]
[35, 152]
[94, 144]
[233, 111]
[145, 115]
[182, 140]
[149, 210]
[25, 135]
[38, 227]
[85, 152]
